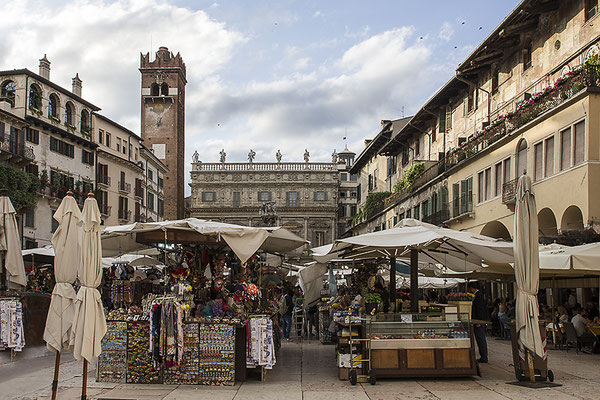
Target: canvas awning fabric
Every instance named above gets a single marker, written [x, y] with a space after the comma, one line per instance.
[244, 241]
[89, 322]
[527, 273]
[311, 281]
[46, 251]
[67, 242]
[458, 250]
[10, 245]
[426, 282]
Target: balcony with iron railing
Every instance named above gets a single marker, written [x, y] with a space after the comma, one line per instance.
[438, 217]
[460, 206]
[104, 210]
[139, 192]
[124, 215]
[103, 180]
[10, 149]
[509, 192]
[124, 187]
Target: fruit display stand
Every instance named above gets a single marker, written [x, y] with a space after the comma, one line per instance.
[418, 345]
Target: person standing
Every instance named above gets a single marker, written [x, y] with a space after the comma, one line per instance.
[286, 316]
[479, 312]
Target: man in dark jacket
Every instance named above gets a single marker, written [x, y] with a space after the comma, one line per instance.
[479, 312]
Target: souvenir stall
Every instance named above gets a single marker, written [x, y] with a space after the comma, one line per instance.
[209, 323]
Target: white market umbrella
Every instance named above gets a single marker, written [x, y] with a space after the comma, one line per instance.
[527, 271]
[67, 247]
[458, 250]
[89, 323]
[10, 246]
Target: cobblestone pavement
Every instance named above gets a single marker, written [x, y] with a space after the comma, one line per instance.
[307, 371]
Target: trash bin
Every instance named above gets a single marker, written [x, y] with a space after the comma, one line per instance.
[540, 365]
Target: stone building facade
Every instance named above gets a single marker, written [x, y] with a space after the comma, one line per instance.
[523, 101]
[163, 121]
[153, 186]
[304, 195]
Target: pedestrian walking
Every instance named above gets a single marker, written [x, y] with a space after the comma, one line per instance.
[479, 312]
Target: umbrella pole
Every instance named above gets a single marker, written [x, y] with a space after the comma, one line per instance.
[414, 280]
[393, 283]
[84, 383]
[530, 363]
[55, 381]
[554, 324]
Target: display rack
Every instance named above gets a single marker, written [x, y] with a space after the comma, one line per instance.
[216, 351]
[112, 362]
[140, 366]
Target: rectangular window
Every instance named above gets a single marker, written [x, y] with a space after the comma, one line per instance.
[160, 182]
[549, 157]
[237, 199]
[87, 157]
[352, 210]
[29, 218]
[209, 196]
[319, 239]
[488, 183]
[342, 211]
[343, 177]
[32, 135]
[480, 188]
[417, 212]
[342, 194]
[426, 209]
[150, 201]
[565, 149]
[498, 179]
[408, 214]
[375, 179]
[442, 119]
[161, 207]
[353, 177]
[53, 222]
[62, 147]
[119, 144]
[150, 174]
[538, 153]
[264, 196]
[292, 199]
[579, 145]
[100, 136]
[320, 196]
[506, 171]
[591, 8]
[107, 139]
[466, 195]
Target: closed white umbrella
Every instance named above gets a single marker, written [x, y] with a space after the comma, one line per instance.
[527, 271]
[10, 245]
[66, 242]
[89, 323]
[66, 248]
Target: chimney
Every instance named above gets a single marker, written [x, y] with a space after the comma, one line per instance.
[45, 68]
[76, 85]
[384, 122]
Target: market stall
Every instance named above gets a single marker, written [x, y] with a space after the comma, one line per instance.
[212, 316]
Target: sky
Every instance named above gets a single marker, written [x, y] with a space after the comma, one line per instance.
[265, 75]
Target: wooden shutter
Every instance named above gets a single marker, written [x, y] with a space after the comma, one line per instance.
[448, 118]
[325, 196]
[455, 199]
[442, 115]
[549, 162]
[565, 149]
[579, 144]
[538, 153]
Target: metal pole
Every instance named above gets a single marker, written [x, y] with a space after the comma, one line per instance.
[55, 381]
[84, 383]
[393, 282]
[414, 280]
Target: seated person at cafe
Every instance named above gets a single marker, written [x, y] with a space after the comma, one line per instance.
[580, 323]
[563, 315]
[504, 319]
[546, 313]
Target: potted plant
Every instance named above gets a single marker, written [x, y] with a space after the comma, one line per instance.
[43, 181]
[372, 300]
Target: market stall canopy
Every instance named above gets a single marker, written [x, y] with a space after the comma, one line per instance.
[243, 240]
[426, 282]
[135, 260]
[458, 250]
[39, 255]
[10, 245]
[311, 281]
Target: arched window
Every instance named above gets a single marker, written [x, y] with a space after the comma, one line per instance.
[154, 89]
[85, 121]
[53, 104]
[35, 97]
[69, 112]
[7, 91]
[521, 158]
[164, 89]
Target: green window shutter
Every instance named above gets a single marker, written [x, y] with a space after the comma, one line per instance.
[442, 120]
[325, 196]
[448, 118]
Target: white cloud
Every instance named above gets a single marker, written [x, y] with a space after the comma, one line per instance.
[446, 31]
[317, 13]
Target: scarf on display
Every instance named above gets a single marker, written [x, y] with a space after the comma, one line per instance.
[11, 325]
[166, 333]
[260, 349]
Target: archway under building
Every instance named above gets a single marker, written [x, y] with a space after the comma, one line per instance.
[497, 230]
[572, 219]
[547, 223]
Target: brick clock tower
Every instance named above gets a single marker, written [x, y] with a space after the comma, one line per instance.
[163, 121]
